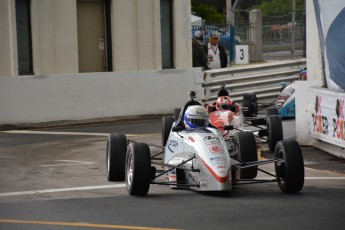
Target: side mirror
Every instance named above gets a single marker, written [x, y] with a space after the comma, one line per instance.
[177, 129]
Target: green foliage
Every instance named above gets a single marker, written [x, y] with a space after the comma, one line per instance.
[278, 7]
[208, 12]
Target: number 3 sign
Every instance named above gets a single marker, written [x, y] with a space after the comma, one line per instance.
[242, 54]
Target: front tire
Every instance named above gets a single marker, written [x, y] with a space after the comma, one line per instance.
[245, 146]
[116, 157]
[290, 172]
[274, 131]
[138, 169]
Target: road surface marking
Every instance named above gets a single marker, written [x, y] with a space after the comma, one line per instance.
[61, 190]
[72, 133]
[69, 163]
[6, 194]
[88, 225]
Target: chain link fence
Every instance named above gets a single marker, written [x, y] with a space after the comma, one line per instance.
[283, 36]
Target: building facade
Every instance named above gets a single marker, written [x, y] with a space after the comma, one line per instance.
[55, 54]
[76, 36]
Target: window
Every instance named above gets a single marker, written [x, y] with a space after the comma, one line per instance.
[166, 34]
[24, 46]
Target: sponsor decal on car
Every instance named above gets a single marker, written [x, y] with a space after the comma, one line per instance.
[173, 145]
[216, 149]
[190, 138]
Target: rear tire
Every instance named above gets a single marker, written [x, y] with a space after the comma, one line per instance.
[274, 131]
[116, 157]
[290, 173]
[177, 113]
[251, 102]
[245, 145]
[167, 123]
[138, 169]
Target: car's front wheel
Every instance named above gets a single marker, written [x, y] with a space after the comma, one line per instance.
[138, 169]
[245, 147]
[290, 170]
[274, 131]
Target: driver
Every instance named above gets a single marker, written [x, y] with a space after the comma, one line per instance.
[223, 103]
[195, 116]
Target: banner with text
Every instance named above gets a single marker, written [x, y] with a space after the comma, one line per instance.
[326, 115]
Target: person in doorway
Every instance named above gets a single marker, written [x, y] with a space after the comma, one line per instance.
[199, 54]
[217, 57]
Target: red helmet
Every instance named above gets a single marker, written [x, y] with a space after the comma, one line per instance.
[223, 103]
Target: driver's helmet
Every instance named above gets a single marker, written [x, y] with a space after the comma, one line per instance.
[223, 103]
[195, 116]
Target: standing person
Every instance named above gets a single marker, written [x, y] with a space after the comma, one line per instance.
[199, 54]
[217, 57]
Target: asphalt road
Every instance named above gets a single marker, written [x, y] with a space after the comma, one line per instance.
[55, 179]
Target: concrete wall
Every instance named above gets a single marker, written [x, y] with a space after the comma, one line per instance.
[45, 98]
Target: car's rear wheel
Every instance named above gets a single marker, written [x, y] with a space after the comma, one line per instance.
[290, 172]
[138, 169]
[167, 123]
[250, 104]
[177, 113]
[245, 146]
[274, 131]
[116, 157]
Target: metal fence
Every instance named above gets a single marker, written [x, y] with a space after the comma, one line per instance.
[265, 80]
[282, 39]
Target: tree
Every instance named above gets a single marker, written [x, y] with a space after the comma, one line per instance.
[278, 7]
[208, 12]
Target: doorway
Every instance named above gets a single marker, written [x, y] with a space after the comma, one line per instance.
[94, 40]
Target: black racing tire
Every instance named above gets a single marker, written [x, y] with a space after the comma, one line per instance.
[290, 172]
[167, 123]
[138, 169]
[116, 156]
[177, 113]
[272, 111]
[251, 103]
[274, 131]
[245, 146]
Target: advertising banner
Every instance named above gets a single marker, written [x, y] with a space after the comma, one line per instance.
[326, 116]
[330, 17]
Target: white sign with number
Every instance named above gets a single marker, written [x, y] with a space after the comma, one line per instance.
[242, 54]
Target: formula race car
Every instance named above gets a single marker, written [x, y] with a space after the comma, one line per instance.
[194, 155]
[224, 112]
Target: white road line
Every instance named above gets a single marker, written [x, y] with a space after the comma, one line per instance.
[61, 190]
[55, 133]
[72, 133]
[7, 194]
[308, 178]
[8, 157]
[70, 163]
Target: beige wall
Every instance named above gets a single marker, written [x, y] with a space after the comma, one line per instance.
[54, 35]
[7, 38]
[135, 36]
[182, 34]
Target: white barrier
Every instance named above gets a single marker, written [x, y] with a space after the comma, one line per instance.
[46, 98]
[262, 79]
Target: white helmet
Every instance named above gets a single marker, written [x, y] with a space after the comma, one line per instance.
[195, 116]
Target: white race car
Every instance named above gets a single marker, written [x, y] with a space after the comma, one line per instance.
[198, 159]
